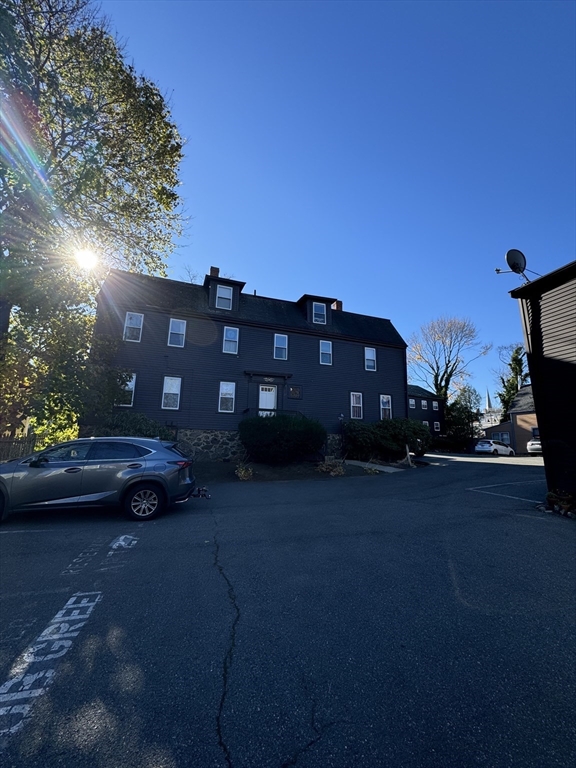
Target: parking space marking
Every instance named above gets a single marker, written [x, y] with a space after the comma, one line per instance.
[27, 530]
[34, 669]
[480, 489]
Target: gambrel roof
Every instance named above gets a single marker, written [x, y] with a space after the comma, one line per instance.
[133, 290]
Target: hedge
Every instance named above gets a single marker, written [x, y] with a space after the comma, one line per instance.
[386, 439]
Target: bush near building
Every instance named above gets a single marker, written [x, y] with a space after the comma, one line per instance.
[386, 439]
[281, 439]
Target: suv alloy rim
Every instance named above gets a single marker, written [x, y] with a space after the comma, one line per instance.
[144, 502]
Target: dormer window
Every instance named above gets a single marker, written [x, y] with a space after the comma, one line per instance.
[223, 297]
[319, 313]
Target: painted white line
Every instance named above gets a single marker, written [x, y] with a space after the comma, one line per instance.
[501, 485]
[124, 542]
[36, 663]
[39, 530]
[505, 496]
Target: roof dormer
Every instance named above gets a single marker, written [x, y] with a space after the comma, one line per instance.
[223, 293]
[318, 309]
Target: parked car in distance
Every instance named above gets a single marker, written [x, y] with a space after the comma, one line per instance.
[493, 447]
[534, 445]
[141, 474]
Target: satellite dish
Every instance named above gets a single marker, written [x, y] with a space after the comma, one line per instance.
[516, 261]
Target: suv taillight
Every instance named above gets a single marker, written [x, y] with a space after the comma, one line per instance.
[182, 464]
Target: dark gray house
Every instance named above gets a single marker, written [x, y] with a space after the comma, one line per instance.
[203, 357]
[426, 407]
[548, 311]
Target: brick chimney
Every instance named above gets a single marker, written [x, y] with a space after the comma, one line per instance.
[337, 305]
[214, 271]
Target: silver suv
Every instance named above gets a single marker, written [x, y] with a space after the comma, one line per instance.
[141, 474]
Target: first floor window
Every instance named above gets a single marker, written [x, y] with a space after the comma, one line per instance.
[227, 397]
[177, 333]
[356, 405]
[425, 423]
[424, 404]
[369, 358]
[133, 326]
[412, 402]
[171, 393]
[434, 405]
[319, 312]
[436, 426]
[231, 340]
[385, 406]
[224, 297]
[280, 346]
[326, 353]
[126, 399]
[295, 392]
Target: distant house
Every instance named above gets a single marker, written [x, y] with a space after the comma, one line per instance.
[426, 407]
[203, 357]
[548, 311]
[523, 424]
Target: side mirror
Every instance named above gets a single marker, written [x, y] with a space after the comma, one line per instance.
[38, 462]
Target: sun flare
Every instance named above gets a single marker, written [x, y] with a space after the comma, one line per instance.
[86, 258]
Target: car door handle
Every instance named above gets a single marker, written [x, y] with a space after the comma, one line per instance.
[134, 466]
[72, 470]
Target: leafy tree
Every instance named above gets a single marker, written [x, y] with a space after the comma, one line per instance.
[462, 415]
[513, 376]
[440, 353]
[90, 159]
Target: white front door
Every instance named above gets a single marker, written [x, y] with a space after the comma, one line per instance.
[267, 400]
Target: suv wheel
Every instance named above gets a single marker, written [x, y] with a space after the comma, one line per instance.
[144, 502]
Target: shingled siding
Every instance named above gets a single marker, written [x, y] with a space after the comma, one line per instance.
[202, 365]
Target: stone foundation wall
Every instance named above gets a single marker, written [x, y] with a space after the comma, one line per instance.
[212, 444]
[207, 444]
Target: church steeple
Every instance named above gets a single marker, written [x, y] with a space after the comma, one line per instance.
[488, 401]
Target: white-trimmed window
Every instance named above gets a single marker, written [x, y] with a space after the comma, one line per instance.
[171, 393]
[385, 406]
[230, 343]
[370, 358]
[133, 326]
[424, 404]
[280, 346]
[176, 333]
[436, 426]
[426, 424]
[355, 405]
[127, 395]
[319, 312]
[223, 297]
[227, 397]
[326, 353]
[411, 402]
[434, 405]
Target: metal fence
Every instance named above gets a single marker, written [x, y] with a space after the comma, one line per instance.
[15, 447]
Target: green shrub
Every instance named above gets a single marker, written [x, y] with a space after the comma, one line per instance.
[128, 424]
[281, 439]
[386, 439]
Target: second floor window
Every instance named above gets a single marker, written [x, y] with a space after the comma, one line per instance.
[385, 407]
[177, 333]
[133, 326]
[223, 297]
[171, 393]
[231, 340]
[326, 353]
[319, 313]
[424, 404]
[126, 399]
[434, 405]
[280, 346]
[369, 358]
[411, 402]
[356, 405]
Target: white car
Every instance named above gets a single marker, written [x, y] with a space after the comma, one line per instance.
[534, 445]
[493, 447]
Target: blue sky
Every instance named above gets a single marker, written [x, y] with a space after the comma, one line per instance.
[385, 153]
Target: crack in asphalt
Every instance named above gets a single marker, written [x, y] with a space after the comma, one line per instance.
[229, 655]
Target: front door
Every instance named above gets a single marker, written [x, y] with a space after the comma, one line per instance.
[267, 400]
